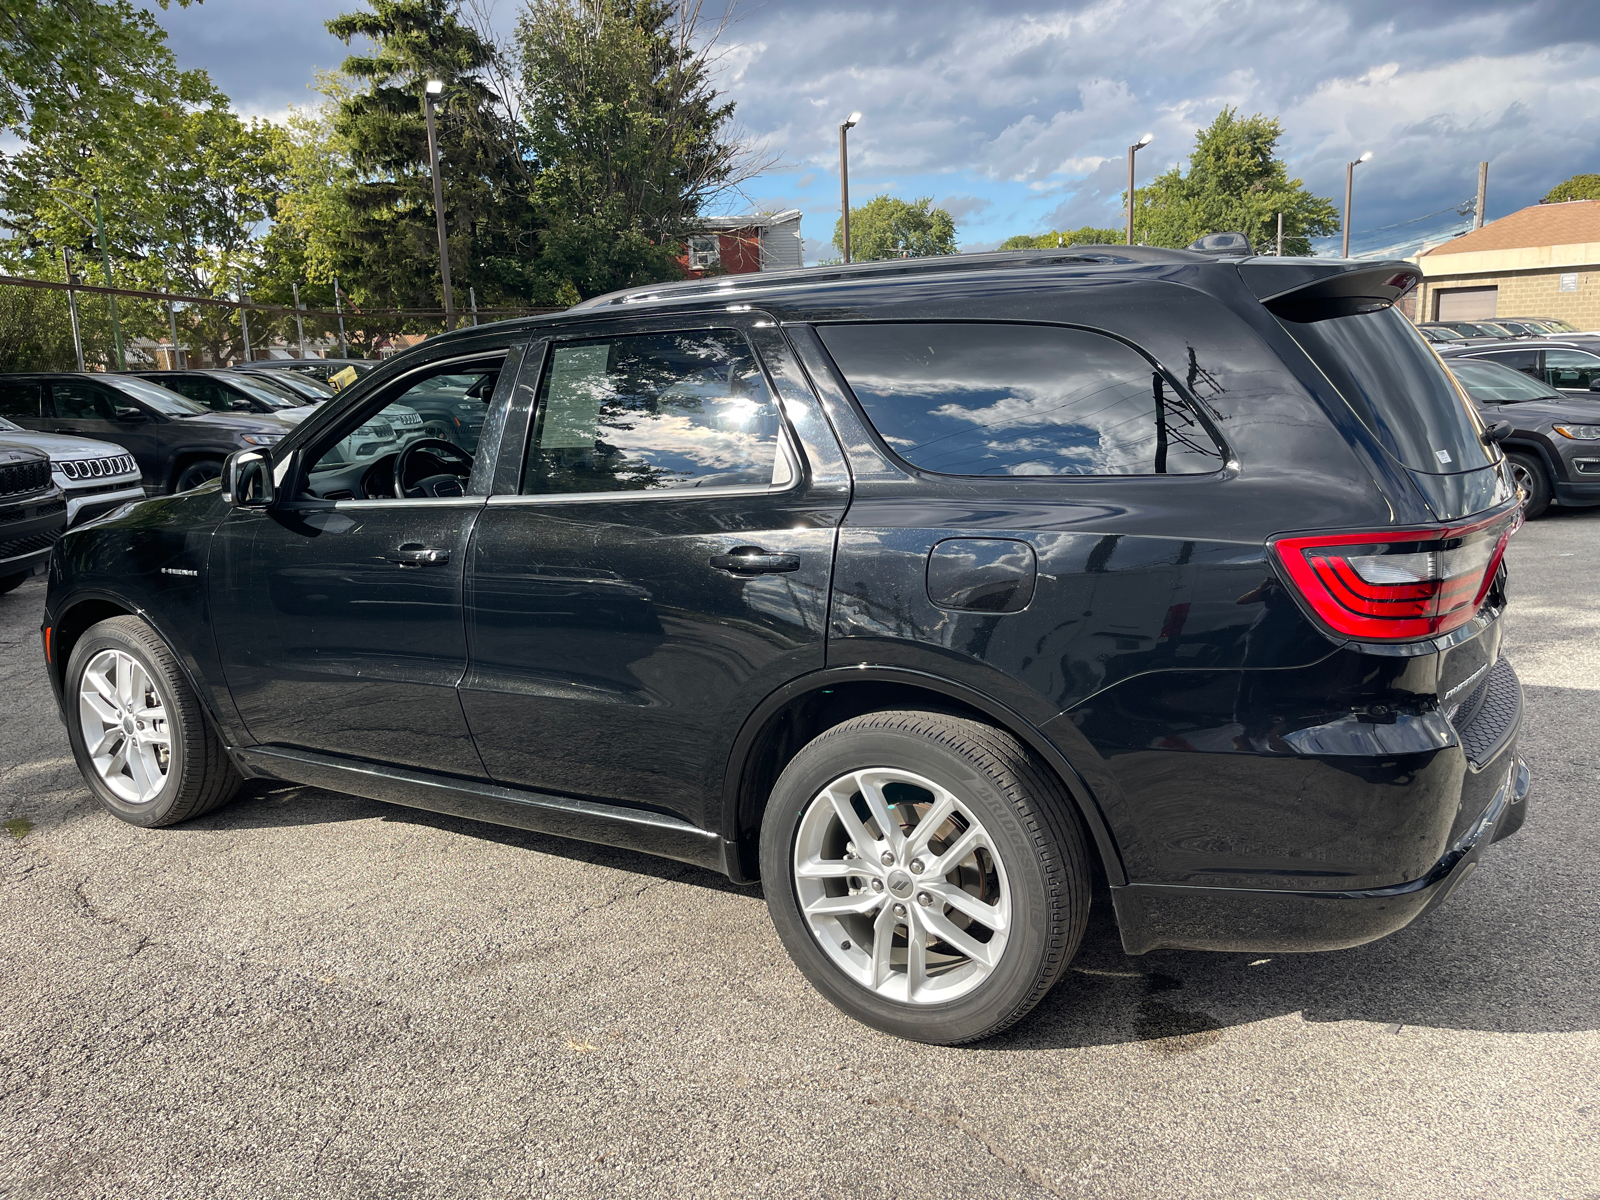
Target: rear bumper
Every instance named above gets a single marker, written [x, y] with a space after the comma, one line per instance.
[1177, 917]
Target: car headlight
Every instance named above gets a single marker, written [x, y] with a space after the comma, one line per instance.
[258, 439]
[1580, 433]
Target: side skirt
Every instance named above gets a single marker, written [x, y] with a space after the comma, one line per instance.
[581, 820]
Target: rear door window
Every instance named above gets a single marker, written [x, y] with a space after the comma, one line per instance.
[1398, 387]
[654, 411]
[1011, 399]
[19, 399]
[1571, 369]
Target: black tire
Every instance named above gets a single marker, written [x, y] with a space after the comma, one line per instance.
[1031, 822]
[1532, 478]
[10, 583]
[196, 473]
[200, 776]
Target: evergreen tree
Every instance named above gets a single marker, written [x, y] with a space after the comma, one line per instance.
[1235, 183]
[389, 256]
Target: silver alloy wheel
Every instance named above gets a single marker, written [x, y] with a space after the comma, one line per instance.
[124, 726]
[902, 886]
[1523, 477]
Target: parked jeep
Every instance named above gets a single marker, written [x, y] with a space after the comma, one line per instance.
[942, 596]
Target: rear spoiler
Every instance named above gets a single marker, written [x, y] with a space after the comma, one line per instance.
[1310, 291]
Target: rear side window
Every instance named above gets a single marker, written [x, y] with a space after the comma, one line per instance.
[1397, 386]
[654, 411]
[19, 398]
[1517, 360]
[1571, 369]
[998, 399]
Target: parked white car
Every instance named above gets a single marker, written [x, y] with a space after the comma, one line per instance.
[94, 477]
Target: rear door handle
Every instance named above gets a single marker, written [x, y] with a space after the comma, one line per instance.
[413, 555]
[753, 560]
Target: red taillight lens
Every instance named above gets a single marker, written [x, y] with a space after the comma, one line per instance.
[1398, 585]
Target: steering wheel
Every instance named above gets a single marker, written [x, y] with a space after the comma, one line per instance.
[453, 467]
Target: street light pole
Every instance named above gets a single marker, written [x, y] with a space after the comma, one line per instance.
[244, 319]
[844, 181]
[1349, 188]
[72, 306]
[431, 89]
[1132, 150]
[338, 307]
[299, 321]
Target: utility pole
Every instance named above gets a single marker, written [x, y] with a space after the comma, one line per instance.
[72, 306]
[105, 261]
[1349, 188]
[244, 320]
[844, 182]
[338, 307]
[1483, 194]
[472, 295]
[1132, 150]
[1280, 235]
[431, 89]
[299, 321]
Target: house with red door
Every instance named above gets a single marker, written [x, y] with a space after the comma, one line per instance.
[745, 245]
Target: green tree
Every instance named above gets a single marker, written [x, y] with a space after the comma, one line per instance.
[1235, 183]
[629, 138]
[885, 227]
[1579, 187]
[1086, 235]
[387, 251]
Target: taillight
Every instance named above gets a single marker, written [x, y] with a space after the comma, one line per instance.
[1398, 585]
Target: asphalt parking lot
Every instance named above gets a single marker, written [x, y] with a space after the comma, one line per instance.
[306, 994]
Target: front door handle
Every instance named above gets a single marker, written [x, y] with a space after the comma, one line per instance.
[413, 555]
[753, 560]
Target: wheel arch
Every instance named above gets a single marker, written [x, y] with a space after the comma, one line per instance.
[790, 717]
[185, 459]
[83, 611]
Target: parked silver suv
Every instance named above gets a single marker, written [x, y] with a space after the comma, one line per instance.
[94, 477]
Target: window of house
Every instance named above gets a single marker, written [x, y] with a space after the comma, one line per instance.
[705, 250]
[997, 399]
[654, 411]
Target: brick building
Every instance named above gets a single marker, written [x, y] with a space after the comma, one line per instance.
[1543, 261]
[743, 245]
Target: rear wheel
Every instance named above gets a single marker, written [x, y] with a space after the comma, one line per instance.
[137, 730]
[925, 873]
[196, 473]
[1530, 475]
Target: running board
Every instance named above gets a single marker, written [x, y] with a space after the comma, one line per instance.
[581, 820]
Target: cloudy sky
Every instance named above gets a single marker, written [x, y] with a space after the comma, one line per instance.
[1017, 117]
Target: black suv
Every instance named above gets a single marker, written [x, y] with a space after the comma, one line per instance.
[927, 592]
[178, 444]
[33, 513]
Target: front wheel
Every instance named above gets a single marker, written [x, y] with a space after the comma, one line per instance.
[137, 729]
[196, 473]
[1530, 475]
[926, 873]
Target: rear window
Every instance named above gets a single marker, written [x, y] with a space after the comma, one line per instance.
[999, 399]
[1397, 386]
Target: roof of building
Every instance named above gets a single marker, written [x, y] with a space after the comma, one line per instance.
[1566, 224]
[753, 221]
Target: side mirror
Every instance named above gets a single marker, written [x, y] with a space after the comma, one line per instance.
[247, 479]
[1498, 432]
[130, 414]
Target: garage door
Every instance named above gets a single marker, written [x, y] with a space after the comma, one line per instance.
[1465, 304]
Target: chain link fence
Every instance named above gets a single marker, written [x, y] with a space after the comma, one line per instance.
[47, 325]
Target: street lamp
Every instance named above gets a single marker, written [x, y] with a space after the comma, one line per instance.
[99, 227]
[1349, 186]
[844, 180]
[1132, 150]
[430, 90]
